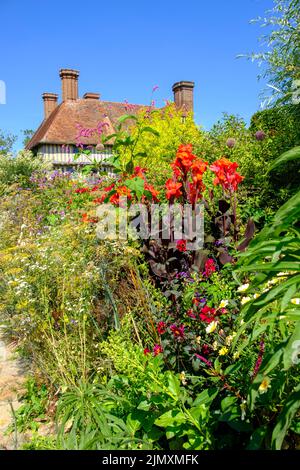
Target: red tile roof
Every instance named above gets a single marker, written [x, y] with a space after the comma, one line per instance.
[61, 127]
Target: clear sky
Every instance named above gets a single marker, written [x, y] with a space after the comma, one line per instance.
[124, 48]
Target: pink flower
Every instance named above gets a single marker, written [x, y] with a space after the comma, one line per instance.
[157, 349]
[208, 363]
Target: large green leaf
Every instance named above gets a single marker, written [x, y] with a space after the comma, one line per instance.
[292, 154]
[285, 418]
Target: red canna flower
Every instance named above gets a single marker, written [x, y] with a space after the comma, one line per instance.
[226, 174]
[173, 189]
[150, 188]
[184, 158]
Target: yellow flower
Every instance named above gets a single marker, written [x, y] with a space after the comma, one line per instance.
[229, 339]
[243, 288]
[264, 385]
[255, 296]
[223, 351]
[198, 339]
[244, 300]
[211, 327]
[295, 301]
[223, 303]
[182, 377]
[236, 355]
[215, 345]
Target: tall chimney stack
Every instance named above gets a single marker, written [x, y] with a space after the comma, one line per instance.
[69, 81]
[184, 95]
[50, 103]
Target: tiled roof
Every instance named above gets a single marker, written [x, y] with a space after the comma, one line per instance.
[61, 127]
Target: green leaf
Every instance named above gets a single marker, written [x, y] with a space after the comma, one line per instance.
[125, 117]
[144, 405]
[290, 408]
[136, 185]
[173, 384]
[292, 154]
[256, 439]
[150, 130]
[170, 418]
[206, 397]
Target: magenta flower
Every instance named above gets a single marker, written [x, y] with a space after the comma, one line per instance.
[156, 87]
[208, 363]
[178, 331]
[157, 349]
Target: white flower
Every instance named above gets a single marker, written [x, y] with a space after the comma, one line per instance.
[223, 303]
[255, 296]
[295, 301]
[211, 327]
[244, 300]
[215, 345]
[243, 288]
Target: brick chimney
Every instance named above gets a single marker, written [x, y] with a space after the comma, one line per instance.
[91, 96]
[184, 95]
[50, 103]
[69, 82]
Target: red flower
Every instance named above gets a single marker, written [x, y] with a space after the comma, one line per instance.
[146, 351]
[98, 200]
[82, 190]
[173, 189]
[198, 168]
[209, 268]
[190, 313]
[157, 349]
[150, 188]
[206, 350]
[184, 158]
[161, 328]
[85, 218]
[181, 245]
[178, 331]
[207, 314]
[139, 171]
[95, 188]
[226, 174]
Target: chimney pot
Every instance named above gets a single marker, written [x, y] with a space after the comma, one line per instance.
[184, 95]
[50, 103]
[91, 96]
[69, 80]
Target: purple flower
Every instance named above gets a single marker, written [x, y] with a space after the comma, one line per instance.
[260, 135]
[230, 142]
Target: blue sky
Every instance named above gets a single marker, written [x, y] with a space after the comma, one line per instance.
[124, 48]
